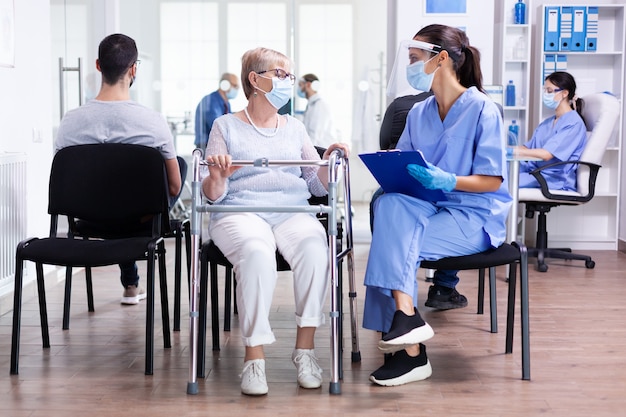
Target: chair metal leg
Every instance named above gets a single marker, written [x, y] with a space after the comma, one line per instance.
[17, 314]
[89, 284]
[43, 310]
[177, 278]
[493, 305]
[202, 309]
[150, 313]
[165, 311]
[215, 315]
[228, 297]
[67, 298]
[481, 292]
[510, 313]
[524, 307]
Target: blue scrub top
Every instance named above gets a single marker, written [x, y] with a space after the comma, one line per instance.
[470, 140]
[565, 140]
[210, 108]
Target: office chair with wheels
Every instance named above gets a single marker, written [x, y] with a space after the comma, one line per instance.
[122, 189]
[600, 114]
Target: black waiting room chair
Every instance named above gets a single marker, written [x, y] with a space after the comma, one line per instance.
[513, 255]
[123, 189]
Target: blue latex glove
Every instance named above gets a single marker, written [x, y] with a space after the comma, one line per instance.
[432, 178]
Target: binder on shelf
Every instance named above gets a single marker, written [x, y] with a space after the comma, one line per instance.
[565, 39]
[549, 64]
[561, 63]
[389, 169]
[579, 28]
[591, 42]
[551, 28]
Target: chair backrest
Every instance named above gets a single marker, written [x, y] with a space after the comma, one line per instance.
[600, 112]
[109, 184]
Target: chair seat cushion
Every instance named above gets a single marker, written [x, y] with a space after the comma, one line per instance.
[503, 255]
[79, 252]
[534, 194]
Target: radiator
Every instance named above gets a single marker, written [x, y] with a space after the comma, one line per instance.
[12, 210]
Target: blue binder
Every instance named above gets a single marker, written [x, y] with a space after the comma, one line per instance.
[389, 169]
[579, 28]
[561, 63]
[551, 28]
[549, 64]
[567, 19]
[591, 43]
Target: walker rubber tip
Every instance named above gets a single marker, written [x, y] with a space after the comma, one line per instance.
[335, 388]
[192, 388]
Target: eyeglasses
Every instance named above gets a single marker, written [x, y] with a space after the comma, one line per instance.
[281, 74]
[553, 90]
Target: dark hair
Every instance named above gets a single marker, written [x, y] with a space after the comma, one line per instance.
[310, 78]
[116, 54]
[465, 58]
[565, 81]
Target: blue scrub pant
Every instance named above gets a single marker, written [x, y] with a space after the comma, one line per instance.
[408, 230]
[443, 278]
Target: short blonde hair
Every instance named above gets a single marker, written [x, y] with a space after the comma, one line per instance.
[261, 59]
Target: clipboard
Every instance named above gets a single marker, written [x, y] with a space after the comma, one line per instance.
[389, 169]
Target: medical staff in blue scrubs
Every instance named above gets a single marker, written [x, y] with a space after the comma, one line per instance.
[561, 137]
[459, 131]
[213, 106]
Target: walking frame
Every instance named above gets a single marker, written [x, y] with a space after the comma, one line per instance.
[336, 162]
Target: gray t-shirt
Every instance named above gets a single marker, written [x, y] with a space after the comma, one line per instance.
[115, 122]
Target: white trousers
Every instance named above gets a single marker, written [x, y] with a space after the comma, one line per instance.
[250, 244]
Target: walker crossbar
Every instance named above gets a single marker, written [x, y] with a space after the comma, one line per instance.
[336, 161]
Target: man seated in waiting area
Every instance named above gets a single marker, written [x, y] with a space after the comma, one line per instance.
[113, 118]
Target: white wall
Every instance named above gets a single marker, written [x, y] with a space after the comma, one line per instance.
[25, 97]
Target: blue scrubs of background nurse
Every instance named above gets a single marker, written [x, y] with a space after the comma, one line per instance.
[459, 131]
[561, 137]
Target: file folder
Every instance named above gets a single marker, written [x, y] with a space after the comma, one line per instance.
[565, 38]
[551, 29]
[549, 64]
[591, 43]
[579, 28]
[561, 63]
[389, 169]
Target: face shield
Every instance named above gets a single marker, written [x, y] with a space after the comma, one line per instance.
[398, 85]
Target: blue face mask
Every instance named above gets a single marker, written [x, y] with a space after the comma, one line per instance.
[417, 78]
[232, 93]
[301, 93]
[549, 102]
[281, 92]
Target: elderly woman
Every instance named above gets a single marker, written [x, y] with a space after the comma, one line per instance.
[249, 240]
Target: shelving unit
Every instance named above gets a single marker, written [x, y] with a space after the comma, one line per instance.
[513, 47]
[595, 225]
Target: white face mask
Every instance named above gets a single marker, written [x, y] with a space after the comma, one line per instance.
[417, 77]
[280, 93]
[548, 100]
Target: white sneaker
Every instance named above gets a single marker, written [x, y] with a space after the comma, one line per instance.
[253, 380]
[132, 295]
[309, 372]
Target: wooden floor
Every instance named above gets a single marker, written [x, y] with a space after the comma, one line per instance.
[578, 357]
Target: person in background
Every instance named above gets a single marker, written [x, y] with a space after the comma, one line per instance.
[250, 240]
[459, 131]
[213, 106]
[561, 137]
[317, 116]
[111, 117]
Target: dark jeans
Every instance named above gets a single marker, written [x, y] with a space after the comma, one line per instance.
[443, 278]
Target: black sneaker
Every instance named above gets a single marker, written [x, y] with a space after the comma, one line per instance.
[443, 298]
[405, 331]
[402, 369]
